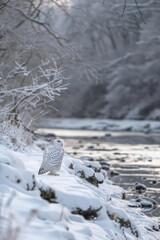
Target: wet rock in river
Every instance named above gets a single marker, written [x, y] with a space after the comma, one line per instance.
[94, 137]
[104, 164]
[121, 159]
[146, 147]
[90, 147]
[87, 158]
[154, 182]
[140, 203]
[108, 135]
[147, 204]
[105, 167]
[103, 161]
[113, 173]
[144, 178]
[128, 129]
[140, 188]
[117, 153]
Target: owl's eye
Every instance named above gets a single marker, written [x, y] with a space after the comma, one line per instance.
[58, 141]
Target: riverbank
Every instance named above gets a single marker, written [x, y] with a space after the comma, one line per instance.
[145, 126]
[80, 203]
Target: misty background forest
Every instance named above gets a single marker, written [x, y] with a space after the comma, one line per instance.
[105, 55]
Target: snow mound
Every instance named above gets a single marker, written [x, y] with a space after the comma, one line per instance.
[13, 172]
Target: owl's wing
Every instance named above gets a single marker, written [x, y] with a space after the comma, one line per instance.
[45, 165]
[51, 159]
[56, 157]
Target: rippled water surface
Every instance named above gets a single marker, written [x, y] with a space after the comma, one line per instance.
[134, 156]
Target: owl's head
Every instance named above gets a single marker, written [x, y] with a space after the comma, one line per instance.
[58, 142]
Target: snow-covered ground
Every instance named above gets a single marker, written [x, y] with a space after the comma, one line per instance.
[80, 203]
[101, 124]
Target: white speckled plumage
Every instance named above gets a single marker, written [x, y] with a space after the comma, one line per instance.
[52, 157]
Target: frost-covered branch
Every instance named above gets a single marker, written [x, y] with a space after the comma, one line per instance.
[20, 103]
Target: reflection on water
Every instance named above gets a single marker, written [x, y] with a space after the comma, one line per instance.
[135, 156]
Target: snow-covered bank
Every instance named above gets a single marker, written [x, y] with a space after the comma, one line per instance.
[101, 124]
[82, 202]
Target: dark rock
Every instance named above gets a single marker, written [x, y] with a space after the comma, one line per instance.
[140, 188]
[129, 129]
[104, 163]
[117, 153]
[81, 146]
[105, 167]
[88, 158]
[122, 159]
[94, 137]
[113, 173]
[144, 178]
[90, 147]
[154, 182]
[108, 135]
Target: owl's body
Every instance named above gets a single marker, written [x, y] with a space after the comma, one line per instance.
[52, 158]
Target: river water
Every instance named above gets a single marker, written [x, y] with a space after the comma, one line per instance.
[133, 158]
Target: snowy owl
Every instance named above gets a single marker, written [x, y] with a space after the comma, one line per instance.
[52, 157]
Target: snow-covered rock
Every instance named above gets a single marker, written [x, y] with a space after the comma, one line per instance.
[99, 177]
[94, 165]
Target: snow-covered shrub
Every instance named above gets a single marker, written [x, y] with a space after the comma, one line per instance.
[30, 99]
[123, 223]
[86, 173]
[14, 136]
[89, 170]
[89, 174]
[88, 214]
[48, 194]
